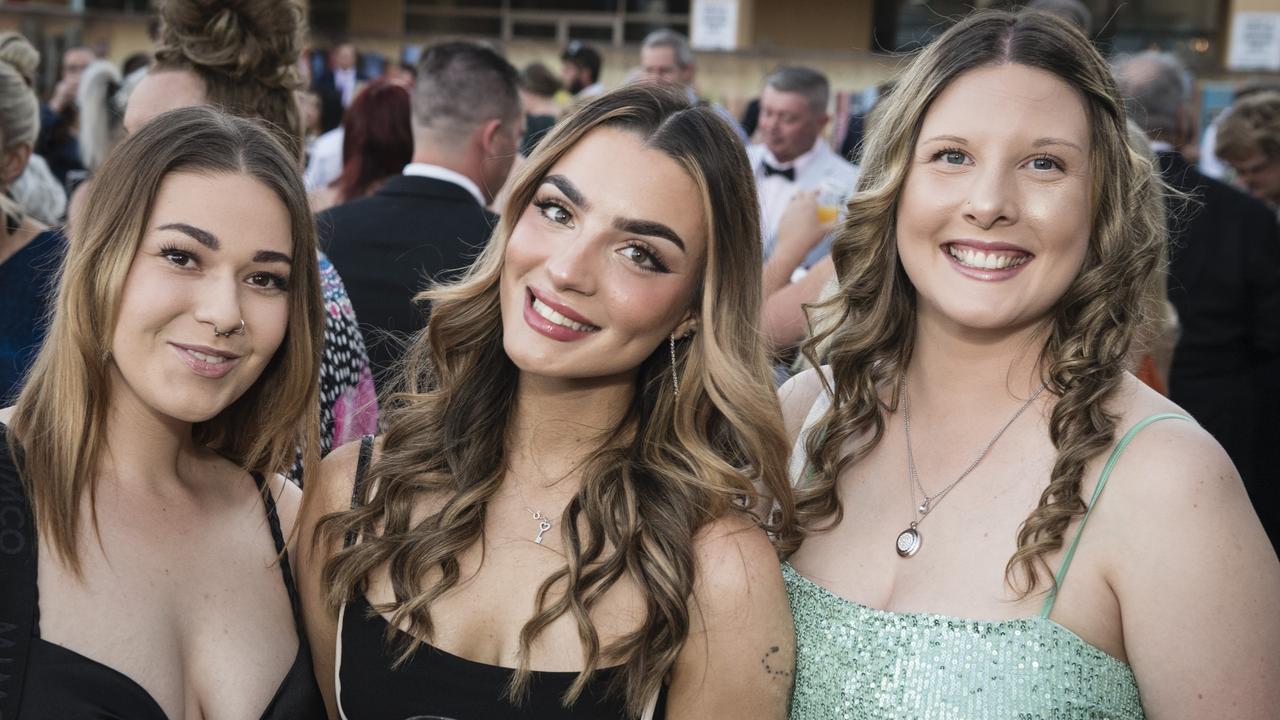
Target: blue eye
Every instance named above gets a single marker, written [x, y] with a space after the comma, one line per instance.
[1045, 163]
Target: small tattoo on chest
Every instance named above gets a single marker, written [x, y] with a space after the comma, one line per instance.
[772, 663]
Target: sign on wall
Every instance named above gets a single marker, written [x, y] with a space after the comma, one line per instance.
[1255, 41]
[713, 24]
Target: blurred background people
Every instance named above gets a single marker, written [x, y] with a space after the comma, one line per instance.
[337, 87]
[580, 66]
[792, 154]
[377, 144]
[1248, 140]
[538, 88]
[102, 99]
[58, 143]
[428, 223]
[29, 252]
[666, 57]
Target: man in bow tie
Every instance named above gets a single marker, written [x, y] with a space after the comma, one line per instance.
[792, 154]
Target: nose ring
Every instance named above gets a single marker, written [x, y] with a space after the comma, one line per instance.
[229, 333]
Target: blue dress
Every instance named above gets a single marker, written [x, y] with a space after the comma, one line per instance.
[27, 282]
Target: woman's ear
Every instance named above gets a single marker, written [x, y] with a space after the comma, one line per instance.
[687, 326]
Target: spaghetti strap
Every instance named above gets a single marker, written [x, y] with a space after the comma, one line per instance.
[282, 552]
[1093, 502]
[357, 487]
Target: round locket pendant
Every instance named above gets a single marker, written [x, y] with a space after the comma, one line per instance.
[908, 542]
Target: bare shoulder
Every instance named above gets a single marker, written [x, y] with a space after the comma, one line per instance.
[733, 556]
[288, 498]
[797, 397]
[333, 485]
[1173, 456]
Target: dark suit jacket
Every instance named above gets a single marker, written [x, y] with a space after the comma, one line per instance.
[391, 245]
[331, 109]
[1224, 280]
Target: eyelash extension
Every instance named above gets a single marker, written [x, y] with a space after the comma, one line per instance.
[658, 265]
[167, 250]
[278, 282]
[544, 203]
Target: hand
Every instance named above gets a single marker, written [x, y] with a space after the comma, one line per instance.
[799, 229]
[64, 94]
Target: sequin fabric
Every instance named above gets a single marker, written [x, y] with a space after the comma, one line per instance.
[853, 661]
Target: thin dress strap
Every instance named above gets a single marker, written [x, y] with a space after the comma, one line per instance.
[282, 551]
[1093, 502]
[357, 487]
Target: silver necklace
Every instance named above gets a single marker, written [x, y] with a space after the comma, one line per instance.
[544, 523]
[909, 540]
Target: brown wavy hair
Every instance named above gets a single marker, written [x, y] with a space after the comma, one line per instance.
[870, 335]
[245, 51]
[58, 425]
[670, 466]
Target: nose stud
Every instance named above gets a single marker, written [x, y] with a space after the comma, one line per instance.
[229, 333]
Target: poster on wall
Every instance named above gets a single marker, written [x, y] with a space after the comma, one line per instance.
[1255, 41]
[713, 24]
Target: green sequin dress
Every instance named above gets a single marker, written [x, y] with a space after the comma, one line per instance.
[853, 661]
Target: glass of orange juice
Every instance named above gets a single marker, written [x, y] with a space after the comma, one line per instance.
[831, 197]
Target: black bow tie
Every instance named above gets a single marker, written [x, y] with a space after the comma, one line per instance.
[789, 173]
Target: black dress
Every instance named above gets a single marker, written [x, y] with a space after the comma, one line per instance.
[61, 683]
[434, 683]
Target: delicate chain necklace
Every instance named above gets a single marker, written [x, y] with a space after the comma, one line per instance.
[909, 540]
[544, 523]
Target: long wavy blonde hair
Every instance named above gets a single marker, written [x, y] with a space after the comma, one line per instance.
[671, 465]
[869, 337]
[58, 425]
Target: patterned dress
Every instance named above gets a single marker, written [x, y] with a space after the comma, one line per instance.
[348, 401]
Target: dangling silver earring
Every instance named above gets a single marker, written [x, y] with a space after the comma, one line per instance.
[675, 379]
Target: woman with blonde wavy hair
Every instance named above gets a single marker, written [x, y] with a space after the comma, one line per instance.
[177, 380]
[974, 406]
[558, 520]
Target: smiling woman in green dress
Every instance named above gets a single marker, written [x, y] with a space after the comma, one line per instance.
[975, 406]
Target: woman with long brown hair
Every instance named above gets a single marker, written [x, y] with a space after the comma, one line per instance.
[177, 381]
[974, 407]
[558, 520]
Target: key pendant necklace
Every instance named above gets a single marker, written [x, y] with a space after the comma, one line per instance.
[544, 524]
[909, 540]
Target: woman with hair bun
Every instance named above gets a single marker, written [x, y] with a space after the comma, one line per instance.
[147, 521]
[1001, 521]
[241, 57]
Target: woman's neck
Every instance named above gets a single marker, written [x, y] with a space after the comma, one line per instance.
[974, 369]
[556, 424]
[144, 449]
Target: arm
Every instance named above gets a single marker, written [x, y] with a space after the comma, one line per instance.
[1200, 602]
[328, 490]
[785, 322]
[799, 231]
[740, 654]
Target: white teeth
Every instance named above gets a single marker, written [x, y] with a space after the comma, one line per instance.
[547, 313]
[985, 261]
[211, 359]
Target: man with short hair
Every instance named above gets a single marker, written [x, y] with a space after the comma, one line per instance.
[1224, 281]
[792, 155]
[580, 71]
[337, 87]
[667, 58]
[429, 223]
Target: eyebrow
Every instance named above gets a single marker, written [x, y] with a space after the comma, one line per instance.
[204, 237]
[566, 186]
[1038, 142]
[271, 256]
[636, 227]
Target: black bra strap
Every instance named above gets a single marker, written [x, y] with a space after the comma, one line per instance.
[282, 551]
[357, 487]
[18, 591]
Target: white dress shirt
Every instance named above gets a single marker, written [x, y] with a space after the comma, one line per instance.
[812, 168]
[345, 82]
[444, 173]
